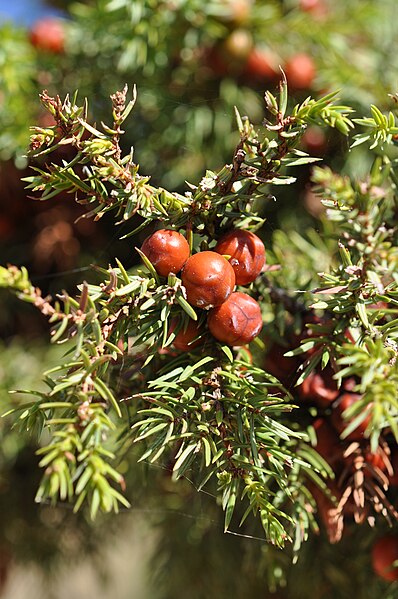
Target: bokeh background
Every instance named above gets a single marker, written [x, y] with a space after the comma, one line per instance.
[192, 62]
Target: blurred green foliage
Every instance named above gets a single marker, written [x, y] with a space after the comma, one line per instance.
[184, 124]
[172, 51]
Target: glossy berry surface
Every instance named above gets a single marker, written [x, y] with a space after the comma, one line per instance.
[237, 321]
[300, 71]
[167, 250]
[48, 34]
[384, 554]
[208, 278]
[247, 254]
[185, 339]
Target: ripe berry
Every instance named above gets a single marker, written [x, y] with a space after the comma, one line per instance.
[184, 339]
[48, 34]
[340, 423]
[260, 65]
[300, 71]
[384, 554]
[208, 278]
[247, 254]
[237, 321]
[167, 250]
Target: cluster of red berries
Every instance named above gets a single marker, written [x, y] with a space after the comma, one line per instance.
[352, 460]
[299, 68]
[209, 279]
[319, 387]
[239, 56]
[346, 454]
